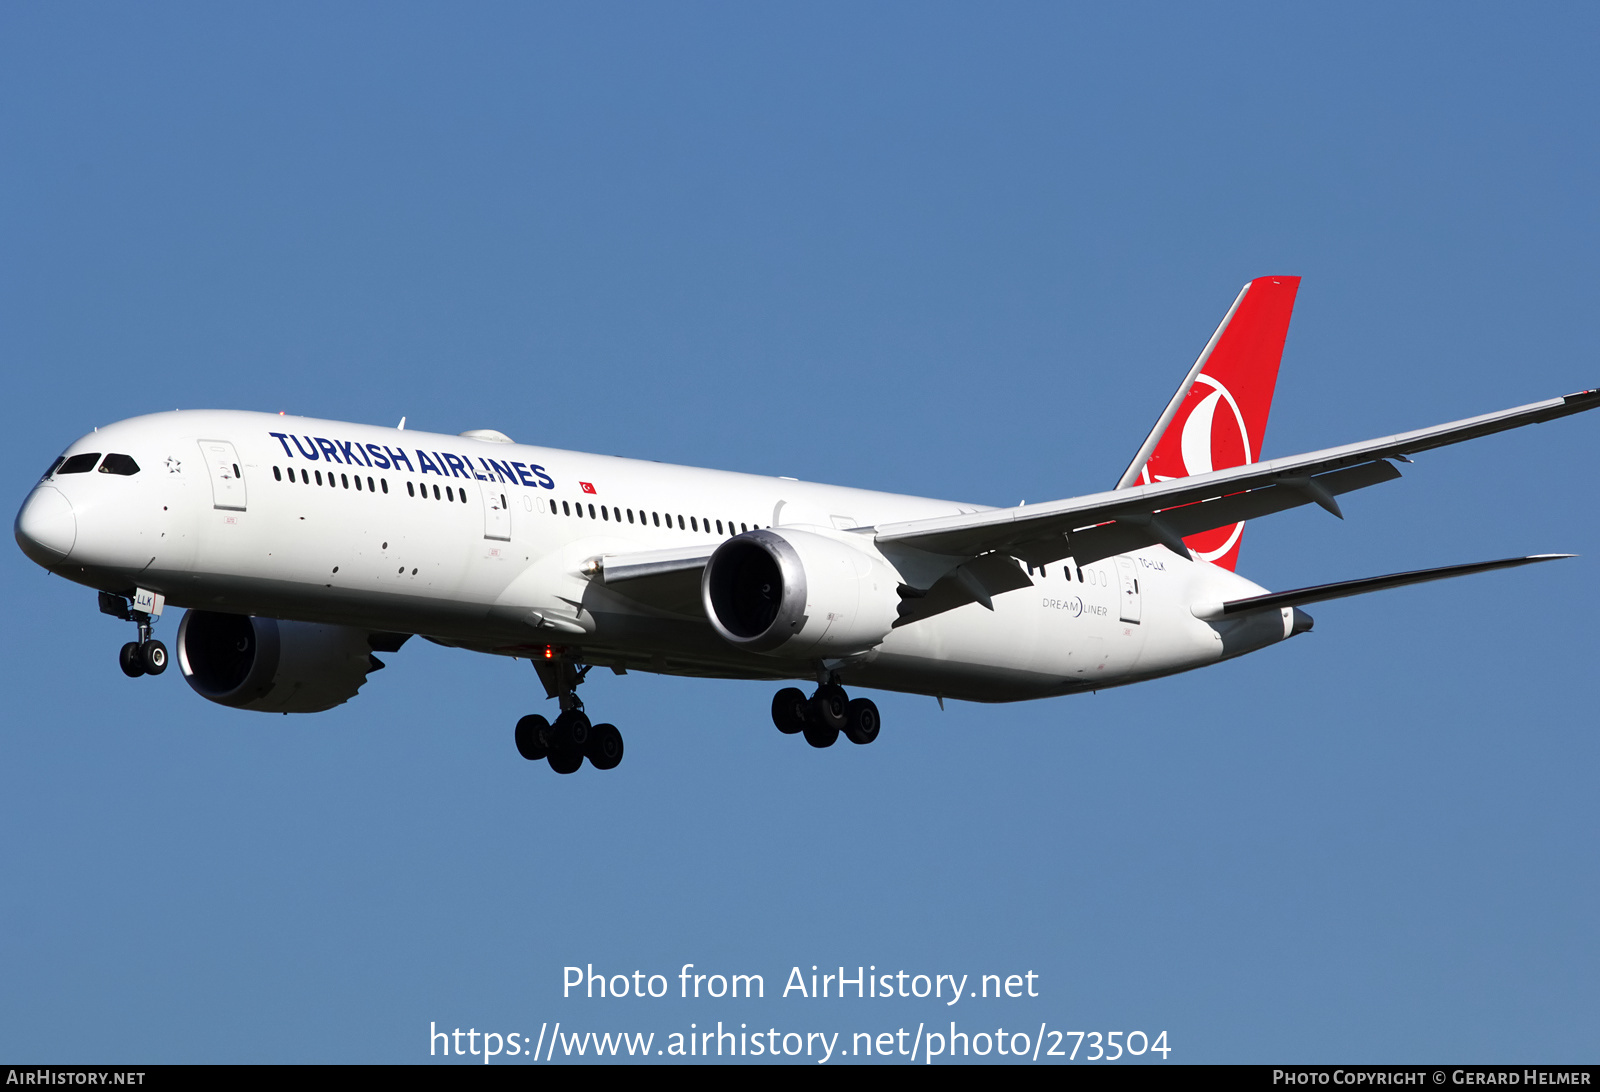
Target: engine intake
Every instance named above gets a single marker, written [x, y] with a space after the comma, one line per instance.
[270, 666]
[799, 593]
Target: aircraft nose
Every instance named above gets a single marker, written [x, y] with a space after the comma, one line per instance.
[46, 527]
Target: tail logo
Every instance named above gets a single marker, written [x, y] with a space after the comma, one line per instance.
[1199, 446]
[1198, 439]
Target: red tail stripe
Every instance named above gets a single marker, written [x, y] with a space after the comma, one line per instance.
[1222, 421]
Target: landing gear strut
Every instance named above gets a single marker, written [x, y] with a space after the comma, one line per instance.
[146, 656]
[571, 739]
[824, 715]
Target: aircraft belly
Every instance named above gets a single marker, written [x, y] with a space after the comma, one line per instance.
[1066, 632]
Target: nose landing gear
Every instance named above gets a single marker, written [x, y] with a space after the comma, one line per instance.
[571, 739]
[146, 656]
[824, 715]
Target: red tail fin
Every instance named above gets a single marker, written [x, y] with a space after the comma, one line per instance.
[1218, 417]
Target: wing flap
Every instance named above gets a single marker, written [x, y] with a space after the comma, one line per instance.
[976, 581]
[1170, 525]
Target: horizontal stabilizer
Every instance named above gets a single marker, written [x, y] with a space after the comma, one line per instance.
[1300, 597]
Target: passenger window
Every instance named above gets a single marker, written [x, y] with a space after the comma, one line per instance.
[680, 523]
[304, 477]
[411, 490]
[604, 514]
[385, 483]
[564, 509]
[358, 483]
[630, 515]
[80, 464]
[591, 511]
[346, 479]
[503, 505]
[618, 513]
[743, 528]
[463, 496]
[236, 473]
[693, 526]
[656, 519]
[319, 477]
[277, 475]
[719, 527]
[553, 506]
[369, 484]
[436, 495]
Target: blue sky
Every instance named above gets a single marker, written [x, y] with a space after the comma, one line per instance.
[961, 251]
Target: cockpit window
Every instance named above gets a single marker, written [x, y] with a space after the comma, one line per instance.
[119, 464]
[59, 460]
[80, 464]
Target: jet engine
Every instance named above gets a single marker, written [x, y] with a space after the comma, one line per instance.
[272, 666]
[799, 593]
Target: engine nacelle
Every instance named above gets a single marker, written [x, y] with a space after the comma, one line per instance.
[799, 594]
[271, 666]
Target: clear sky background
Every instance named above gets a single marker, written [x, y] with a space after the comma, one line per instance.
[962, 251]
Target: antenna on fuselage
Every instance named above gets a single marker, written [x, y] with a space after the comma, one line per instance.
[402, 425]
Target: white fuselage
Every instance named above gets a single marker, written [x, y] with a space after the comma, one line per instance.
[323, 521]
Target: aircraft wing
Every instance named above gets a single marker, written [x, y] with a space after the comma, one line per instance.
[622, 568]
[1103, 524]
[668, 580]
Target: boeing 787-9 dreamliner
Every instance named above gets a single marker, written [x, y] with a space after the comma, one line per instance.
[302, 547]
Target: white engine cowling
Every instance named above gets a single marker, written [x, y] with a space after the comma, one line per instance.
[270, 666]
[799, 594]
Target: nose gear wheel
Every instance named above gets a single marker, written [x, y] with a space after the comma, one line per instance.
[146, 656]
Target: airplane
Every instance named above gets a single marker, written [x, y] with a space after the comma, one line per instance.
[302, 547]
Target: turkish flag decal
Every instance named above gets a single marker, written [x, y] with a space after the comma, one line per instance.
[587, 488]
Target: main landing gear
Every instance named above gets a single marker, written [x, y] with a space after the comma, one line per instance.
[146, 656]
[571, 739]
[825, 714]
